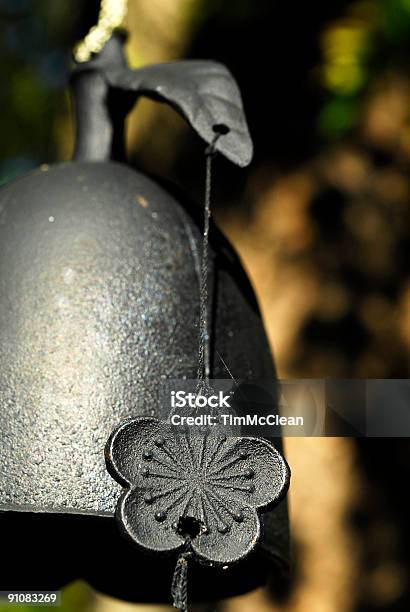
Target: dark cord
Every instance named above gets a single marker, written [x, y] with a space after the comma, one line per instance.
[203, 353]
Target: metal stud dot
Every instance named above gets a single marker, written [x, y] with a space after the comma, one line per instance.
[159, 442]
[249, 473]
[223, 528]
[160, 516]
[147, 455]
[238, 517]
[243, 454]
[148, 498]
[145, 471]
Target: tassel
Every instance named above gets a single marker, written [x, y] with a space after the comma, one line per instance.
[179, 587]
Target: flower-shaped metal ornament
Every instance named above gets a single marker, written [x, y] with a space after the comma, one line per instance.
[197, 492]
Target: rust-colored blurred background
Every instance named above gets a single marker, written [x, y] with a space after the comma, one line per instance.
[321, 220]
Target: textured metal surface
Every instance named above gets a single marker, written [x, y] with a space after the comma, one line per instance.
[98, 302]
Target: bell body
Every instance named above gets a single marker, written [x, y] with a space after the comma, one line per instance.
[96, 273]
[99, 302]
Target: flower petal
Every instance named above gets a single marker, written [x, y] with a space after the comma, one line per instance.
[251, 471]
[239, 539]
[126, 445]
[142, 526]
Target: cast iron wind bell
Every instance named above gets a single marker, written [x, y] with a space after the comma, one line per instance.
[99, 300]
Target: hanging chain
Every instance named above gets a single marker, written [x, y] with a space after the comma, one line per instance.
[112, 14]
